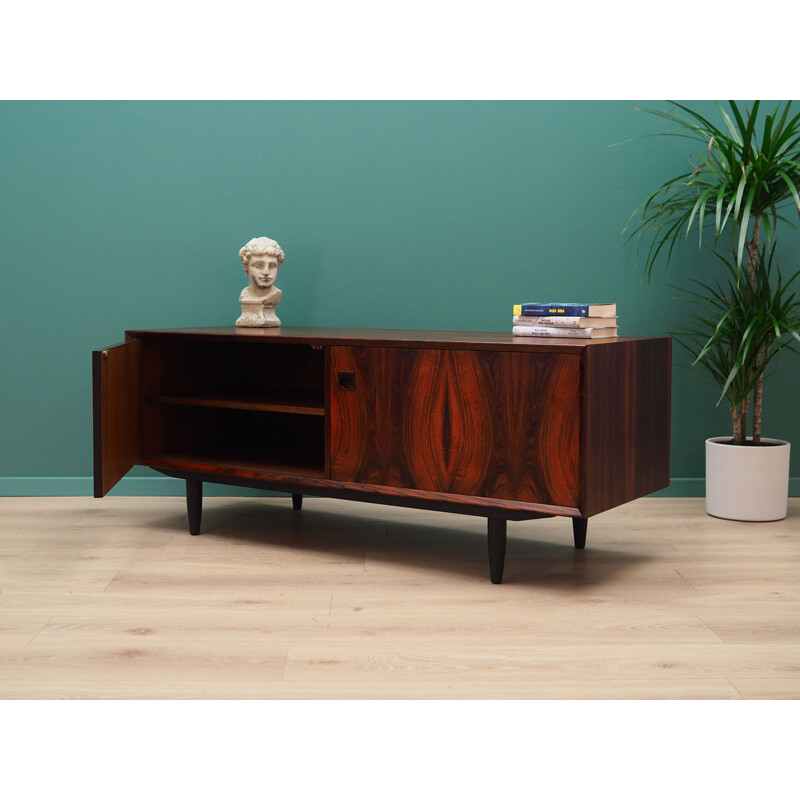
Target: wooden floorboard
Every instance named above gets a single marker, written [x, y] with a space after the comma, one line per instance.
[113, 598]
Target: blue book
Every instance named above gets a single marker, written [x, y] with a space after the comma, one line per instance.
[566, 309]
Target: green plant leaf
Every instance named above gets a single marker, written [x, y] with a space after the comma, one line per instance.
[792, 188]
[735, 130]
[743, 225]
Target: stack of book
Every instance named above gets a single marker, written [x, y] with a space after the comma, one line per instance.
[566, 320]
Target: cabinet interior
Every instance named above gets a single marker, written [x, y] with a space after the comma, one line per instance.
[238, 404]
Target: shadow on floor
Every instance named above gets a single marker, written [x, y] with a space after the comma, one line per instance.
[539, 552]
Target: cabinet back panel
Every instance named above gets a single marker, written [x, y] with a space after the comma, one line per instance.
[176, 366]
[251, 437]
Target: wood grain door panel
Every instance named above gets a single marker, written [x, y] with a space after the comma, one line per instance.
[472, 422]
[117, 413]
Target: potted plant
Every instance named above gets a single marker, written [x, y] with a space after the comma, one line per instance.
[741, 181]
[734, 336]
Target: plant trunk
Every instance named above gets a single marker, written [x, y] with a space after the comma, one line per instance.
[752, 252]
[758, 401]
[739, 416]
[758, 393]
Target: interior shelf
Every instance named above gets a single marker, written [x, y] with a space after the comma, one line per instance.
[289, 461]
[289, 401]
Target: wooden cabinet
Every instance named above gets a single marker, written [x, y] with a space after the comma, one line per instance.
[485, 424]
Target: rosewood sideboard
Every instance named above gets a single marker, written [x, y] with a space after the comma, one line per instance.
[487, 424]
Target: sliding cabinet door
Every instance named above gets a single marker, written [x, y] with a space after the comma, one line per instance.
[470, 422]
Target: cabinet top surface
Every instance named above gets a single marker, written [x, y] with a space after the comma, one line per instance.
[396, 338]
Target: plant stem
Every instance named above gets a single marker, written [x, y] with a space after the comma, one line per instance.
[739, 417]
[758, 400]
[752, 252]
[758, 393]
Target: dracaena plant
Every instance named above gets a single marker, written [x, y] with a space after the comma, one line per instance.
[738, 330]
[742, 180]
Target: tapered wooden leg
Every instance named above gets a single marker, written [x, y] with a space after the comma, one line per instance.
[497, 549]
[297, 501]
[579, 531]
[194, 504]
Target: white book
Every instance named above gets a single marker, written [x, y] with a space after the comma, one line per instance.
[566, 322]
[563, 333]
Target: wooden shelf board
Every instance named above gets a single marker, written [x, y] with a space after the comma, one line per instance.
[278, 463]
[286, 401]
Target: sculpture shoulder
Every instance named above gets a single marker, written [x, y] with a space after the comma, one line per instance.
[273, 294]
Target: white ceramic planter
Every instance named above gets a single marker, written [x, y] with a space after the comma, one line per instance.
[747, 483]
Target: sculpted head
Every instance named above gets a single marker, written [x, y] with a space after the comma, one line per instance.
[261, 258]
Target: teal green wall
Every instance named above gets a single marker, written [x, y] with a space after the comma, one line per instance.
[441, 215]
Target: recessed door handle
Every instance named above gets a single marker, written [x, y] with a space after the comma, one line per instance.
[347, 380]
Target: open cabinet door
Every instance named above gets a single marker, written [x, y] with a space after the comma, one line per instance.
[117, 413]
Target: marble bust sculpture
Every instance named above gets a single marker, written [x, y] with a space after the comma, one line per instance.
[261, 258]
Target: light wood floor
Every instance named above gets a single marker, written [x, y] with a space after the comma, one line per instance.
[113, 598]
